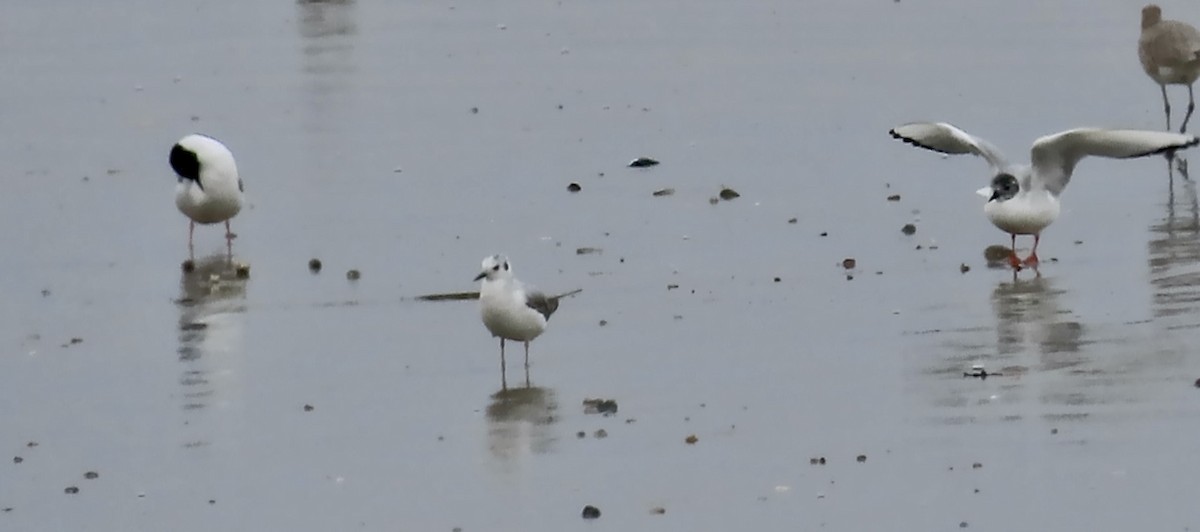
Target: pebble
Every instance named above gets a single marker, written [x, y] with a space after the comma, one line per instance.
[71, 490]
[908, 229]
[353, 275]
[894, 197]
[663, 192]
[658, 510]
[862, 458]
[728, 194]
[642, 162]
[590, 512]
[574, 187]
[314, 265]
[600, 434]
[849, 263]
[691, 440]
[309, 408]
[91, 475]
[18, 459]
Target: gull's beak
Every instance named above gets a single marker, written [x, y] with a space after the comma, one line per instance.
[985, 192]
[480, 276]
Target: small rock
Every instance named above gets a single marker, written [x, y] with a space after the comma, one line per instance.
[309, 408]
[663, 192]
[908, 229]
[603, 322]
[314, 265]
[728, 194]
[1198, 383]
[824, 233]
[963, 268]
[714, 200]
[862, 458]
[600, 434]
[91, 475]
[642, 162]
[581, 434]
[658, 510]
[691, 440]
[588, 251]
[31, 444]
[188, 266]
[574, 187]
[1053, 431]
[894, 197]
[590, 512]
[18, 459]
[474, 110]
[212, 501]
[71, 490]
[849, 263]
[353, 275]
[673, 286]
[792, 220]
[976, 465]
[963, 524]
[600, 406]
[45, 293]
[778, 279]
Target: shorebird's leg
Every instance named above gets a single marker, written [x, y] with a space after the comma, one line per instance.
[1188, 116]
[1166, 105]
[1032, 259]
[1013, 259]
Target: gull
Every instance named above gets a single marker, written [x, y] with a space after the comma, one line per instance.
[1170, 55]
[209, 189]
[1023, 200]
[509, 311]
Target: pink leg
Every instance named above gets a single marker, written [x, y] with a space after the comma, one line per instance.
[1013, 259]
[1032, 259]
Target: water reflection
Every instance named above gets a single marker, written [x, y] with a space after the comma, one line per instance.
[327, 30]
[1174, 251]
[210, 306]
[520, 421]
[1030, 318]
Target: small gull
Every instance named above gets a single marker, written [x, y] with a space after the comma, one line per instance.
[509, 311]
[209, 189]
[1023, 200]
[1170, 55]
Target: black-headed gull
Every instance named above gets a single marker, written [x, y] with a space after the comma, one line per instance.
[1023, 200]
[509, 311]
[1170, 55]
[209, 189]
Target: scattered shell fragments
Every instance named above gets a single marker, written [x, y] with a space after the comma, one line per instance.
[976, 465]
[642, 162]
[908, 229]
[607, 407]
[691, 440]
[574, 187]
[728, 194]
[590, 512]
[353, 275]
[663, 192]
[818, 460]
[71, 490]
[314, 265]
[91, 475]
[894, 197]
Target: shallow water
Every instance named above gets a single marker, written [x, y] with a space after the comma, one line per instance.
[409, 141]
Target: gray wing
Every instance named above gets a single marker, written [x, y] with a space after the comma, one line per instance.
[544, 304]
[1054, 156]
[945, 138]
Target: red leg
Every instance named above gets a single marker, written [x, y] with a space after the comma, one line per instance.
[1013, 259]
[1032, 259]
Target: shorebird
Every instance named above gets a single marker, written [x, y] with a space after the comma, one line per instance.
[209, 189]
[1170, 55]
[509, 311]
[1023, 199]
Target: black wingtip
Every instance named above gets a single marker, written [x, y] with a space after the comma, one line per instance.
[913, 142]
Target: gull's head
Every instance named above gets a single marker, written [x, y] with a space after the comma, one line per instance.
[1151, 15]
[1003, 187]
[198, 155]
[494, 267]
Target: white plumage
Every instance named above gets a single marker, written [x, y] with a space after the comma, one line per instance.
[1023, 200]
[209, 190]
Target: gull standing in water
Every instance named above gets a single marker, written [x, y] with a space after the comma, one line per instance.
[209, 189]
[509, 311]
[1023, 200]
[1170, 55]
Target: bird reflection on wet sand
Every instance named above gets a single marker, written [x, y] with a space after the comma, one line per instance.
[210, 306]
[521, 420]
[1174, 251]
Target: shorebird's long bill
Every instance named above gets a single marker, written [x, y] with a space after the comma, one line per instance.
[480, 276]
[985, 192]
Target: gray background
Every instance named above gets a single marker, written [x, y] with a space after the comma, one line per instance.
[787, 102]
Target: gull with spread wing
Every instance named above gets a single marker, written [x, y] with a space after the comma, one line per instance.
[1023, 199]
[509, 311]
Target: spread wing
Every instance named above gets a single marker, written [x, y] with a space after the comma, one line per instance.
[1054, 156]
[945, 138]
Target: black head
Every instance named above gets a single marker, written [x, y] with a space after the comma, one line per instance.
[1004, 187]
[186, 164]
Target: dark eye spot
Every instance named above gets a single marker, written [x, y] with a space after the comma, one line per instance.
[496, 268]
[506, 266]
